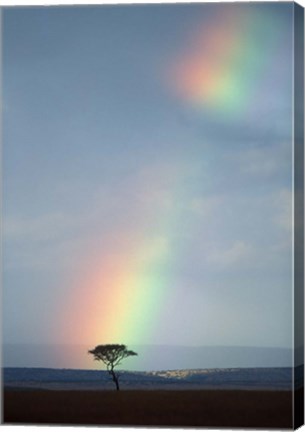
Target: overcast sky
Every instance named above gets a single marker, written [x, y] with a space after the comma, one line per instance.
[142, 202]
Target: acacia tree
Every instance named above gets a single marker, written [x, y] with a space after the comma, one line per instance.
[111, 356]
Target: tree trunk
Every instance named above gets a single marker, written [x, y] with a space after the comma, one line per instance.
[115, 379]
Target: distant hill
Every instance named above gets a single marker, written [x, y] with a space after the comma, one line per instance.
[151, 357]
[239, 378]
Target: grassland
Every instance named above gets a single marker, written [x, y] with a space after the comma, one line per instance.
[198, 408]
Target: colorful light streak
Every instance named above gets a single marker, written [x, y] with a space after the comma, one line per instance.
[226, 64]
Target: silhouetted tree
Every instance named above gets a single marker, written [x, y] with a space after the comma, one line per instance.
[111, 356]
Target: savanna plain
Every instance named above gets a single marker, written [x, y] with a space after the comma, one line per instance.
[184, 408]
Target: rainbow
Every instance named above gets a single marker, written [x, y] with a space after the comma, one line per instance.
[121, 290]
[229, 60]
[120, 294]
[128, 295]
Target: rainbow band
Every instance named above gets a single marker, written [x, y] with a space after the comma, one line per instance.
[124, 286]
[224, 68]
[126, 283]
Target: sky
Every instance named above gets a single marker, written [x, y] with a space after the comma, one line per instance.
[147, 172]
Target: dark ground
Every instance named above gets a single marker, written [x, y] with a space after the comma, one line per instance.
[198, 408]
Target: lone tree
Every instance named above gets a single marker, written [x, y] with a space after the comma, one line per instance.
[111, 356]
